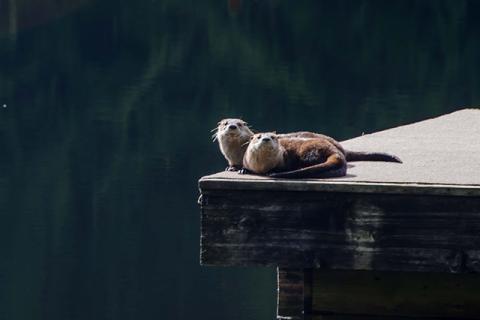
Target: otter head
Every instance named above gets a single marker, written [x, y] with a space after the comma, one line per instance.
[264, 153]
[233, 136]
[232, 129]
[264, 142]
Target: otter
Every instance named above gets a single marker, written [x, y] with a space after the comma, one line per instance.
[233, 136]
[296, 157]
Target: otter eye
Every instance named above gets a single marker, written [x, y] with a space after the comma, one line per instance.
[225, 123]
[239, 124]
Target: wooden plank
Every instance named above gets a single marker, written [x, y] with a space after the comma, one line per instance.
[294, 296]
[415, 295]
[341, 231]
[234, 181]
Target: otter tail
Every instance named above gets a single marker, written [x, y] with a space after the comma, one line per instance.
[371, 156]
[335, 166]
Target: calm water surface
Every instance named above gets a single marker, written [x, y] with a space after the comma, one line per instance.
[105, 113]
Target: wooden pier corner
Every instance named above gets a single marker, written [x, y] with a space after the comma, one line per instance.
[388, 240]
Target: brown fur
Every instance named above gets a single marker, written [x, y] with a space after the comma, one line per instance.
[293, 157]
[233, 144]
[308, 134]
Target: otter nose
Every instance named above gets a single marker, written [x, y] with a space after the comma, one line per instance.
[265, 139]
[232, 127]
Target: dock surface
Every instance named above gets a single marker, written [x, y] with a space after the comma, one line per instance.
[440, 156]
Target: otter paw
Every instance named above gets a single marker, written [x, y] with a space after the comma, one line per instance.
[244, 171]
[231, 168]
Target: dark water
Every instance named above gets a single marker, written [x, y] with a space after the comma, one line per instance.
[105, 112]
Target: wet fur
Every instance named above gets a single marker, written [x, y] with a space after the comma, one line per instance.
[233, 146]
[308, 134]
[294, 157]
[350, 156]
[310, 158]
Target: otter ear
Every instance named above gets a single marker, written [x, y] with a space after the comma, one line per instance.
[274, 132]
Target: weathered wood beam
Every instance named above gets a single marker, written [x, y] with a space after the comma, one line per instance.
[341, 231]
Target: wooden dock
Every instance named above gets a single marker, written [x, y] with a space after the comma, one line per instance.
[388, 241]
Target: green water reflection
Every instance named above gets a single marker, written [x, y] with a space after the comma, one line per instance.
[105, 131]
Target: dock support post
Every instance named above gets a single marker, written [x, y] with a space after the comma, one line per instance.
[294, 299]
